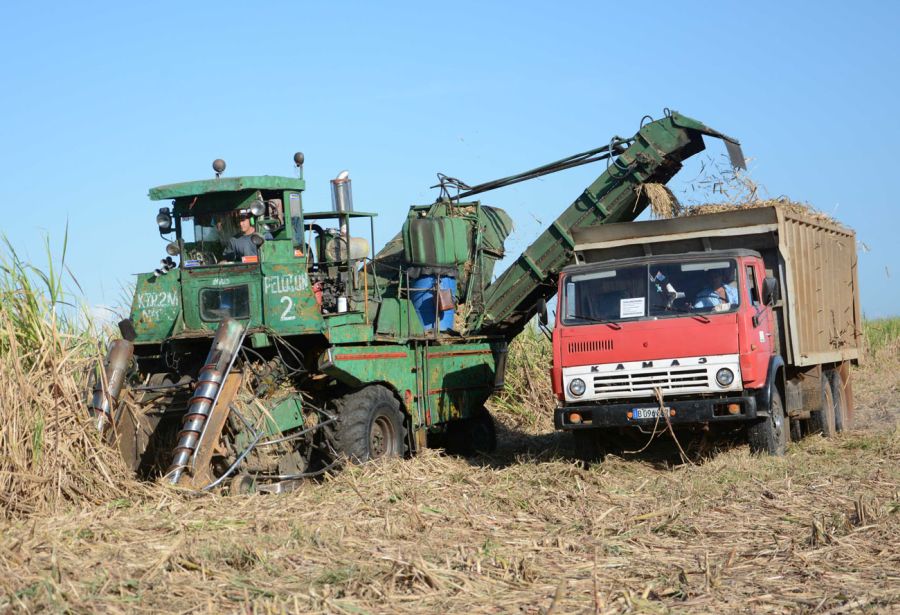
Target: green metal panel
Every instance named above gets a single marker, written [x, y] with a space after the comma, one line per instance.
[225, 184]
[458, 379]
[398, 319]
[289, 304]
[285, 414]
[437, 241]
[358, 365]
[156, 306]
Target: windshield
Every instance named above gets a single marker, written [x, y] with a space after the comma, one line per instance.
[650, 290]
[217, 238]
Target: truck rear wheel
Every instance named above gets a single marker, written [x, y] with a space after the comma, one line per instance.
[841, 412]
[823, 421]
[770, 436]
[370, 425]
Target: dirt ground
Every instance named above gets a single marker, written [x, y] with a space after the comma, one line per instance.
[526, 530]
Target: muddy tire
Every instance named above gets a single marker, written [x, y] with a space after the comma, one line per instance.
[770, 436]
[841, 412]
[370, 425]
[823, 421]
[588, 444]
[474, 435]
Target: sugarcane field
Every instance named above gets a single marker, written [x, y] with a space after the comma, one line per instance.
[255, 358]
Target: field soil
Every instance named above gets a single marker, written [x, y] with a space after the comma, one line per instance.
[525, 530]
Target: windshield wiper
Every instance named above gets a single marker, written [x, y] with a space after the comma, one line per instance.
[601, 321]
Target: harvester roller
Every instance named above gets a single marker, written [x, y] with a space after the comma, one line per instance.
[225, 346]
[108, 383]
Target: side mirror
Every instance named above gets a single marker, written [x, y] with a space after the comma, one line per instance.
[769, 291]
[541, 306]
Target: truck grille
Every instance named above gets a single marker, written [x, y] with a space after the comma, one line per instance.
[590, 346]
[670, 380]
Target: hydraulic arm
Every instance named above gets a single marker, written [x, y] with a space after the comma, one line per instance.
[654, 155]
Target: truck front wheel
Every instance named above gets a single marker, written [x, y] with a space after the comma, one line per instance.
[370, 425]
[770, 436]
[588, 446]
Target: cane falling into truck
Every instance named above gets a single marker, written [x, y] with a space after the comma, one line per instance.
[280, 343]
[746, 320]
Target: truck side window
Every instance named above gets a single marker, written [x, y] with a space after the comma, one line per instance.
[752, 286]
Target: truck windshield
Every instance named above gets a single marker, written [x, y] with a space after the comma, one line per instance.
[650, 290]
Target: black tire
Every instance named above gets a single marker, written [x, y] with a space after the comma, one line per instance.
[588, 446]
[796, 430]
[823, 421]
[841, 412]
[474, 435]
[770, 436]
[370, 425]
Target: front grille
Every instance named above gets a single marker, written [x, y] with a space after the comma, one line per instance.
[590, 346]
[668, 380]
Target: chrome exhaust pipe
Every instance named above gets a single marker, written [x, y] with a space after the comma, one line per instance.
[226, 343]
[108, 382]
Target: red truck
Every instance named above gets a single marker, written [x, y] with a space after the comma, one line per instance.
[746, 320]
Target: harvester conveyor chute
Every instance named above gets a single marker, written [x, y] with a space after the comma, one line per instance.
[654, 155]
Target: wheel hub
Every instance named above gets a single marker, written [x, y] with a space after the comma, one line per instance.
[381, 439]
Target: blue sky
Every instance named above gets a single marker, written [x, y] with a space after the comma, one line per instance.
[100, 101]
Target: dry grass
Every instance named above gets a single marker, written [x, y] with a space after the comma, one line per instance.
[525, 530]
[732, 189]
[49, 455]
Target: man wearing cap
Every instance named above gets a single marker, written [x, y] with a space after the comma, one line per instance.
[242, 245]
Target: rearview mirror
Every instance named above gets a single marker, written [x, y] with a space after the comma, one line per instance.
[769, 291]
[541, 306]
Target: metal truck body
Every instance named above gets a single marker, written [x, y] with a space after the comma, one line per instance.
[272, 363]
[745, 319]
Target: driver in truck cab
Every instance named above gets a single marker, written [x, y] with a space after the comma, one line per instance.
[718, 291]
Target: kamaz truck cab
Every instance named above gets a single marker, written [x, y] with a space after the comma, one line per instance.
[735, 321]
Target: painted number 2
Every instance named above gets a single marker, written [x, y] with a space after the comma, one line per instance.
[286, 314]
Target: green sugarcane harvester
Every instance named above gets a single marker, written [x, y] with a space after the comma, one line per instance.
[279, 344]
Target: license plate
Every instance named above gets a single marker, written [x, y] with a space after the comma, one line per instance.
[649, 413]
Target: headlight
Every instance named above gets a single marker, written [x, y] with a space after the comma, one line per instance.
[576, 387]
[724, 377]
[173, 249]
[258, 208]
[164, 220]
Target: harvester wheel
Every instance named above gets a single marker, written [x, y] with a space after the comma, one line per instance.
[472, 435]
[370, 425]
[841, 412]
[823, 421]
[770, 435]
[588, 446]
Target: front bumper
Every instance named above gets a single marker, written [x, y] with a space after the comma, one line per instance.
[681, 412]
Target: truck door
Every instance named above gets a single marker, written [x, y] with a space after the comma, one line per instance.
[761, 335]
